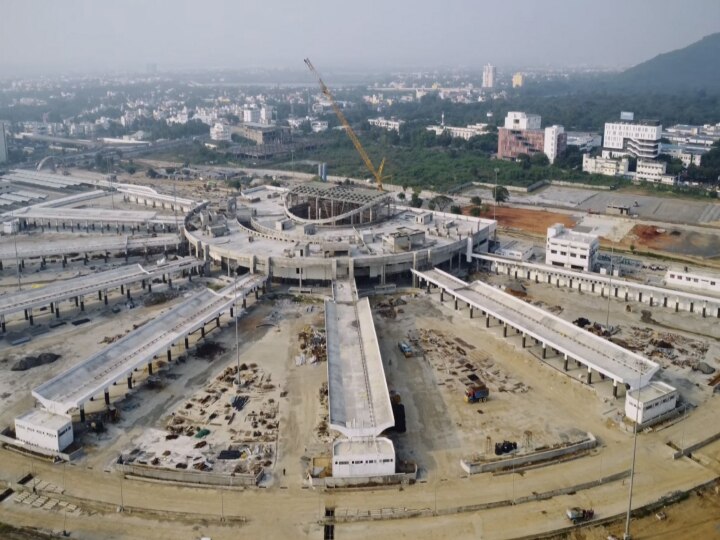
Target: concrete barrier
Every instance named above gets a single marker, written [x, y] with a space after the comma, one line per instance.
[185, 476]
[475, 466]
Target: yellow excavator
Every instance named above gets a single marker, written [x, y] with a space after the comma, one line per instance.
[377, 173]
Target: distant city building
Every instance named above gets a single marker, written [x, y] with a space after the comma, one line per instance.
[517, 80]
[262, 134]
[266, 115]
[523, 134]
[318, 126]
[220, 132]
[251, 116]
[639, 139]
[585, 141]
[606, 166]
[571, 249]
[467, 132]
[688, 155]
[391, 124]
[3, 144]
[489, 75]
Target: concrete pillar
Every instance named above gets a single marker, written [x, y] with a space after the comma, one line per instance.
[122, 289]
[105, 298]
[129, 382]
[52, 307]
[187, 343]
[99, 295]
[565, 364]
[692, 307]
[639, 296]
[664, 301]
[32, 322]
[615, 387]
[26, 315]
[107, 397]
[127, 291]
[523, 341]
[82, 414]
[169, 355]
[164, 278]
[231, 312]
[471, 312]
[149, 368]
[256, 294]
[442, 295]
[456, 303]
[589, 376]
[170, 282]
[202, 331]
[487, 321]
[651, 301]
[677, 306]
[2, 323]
[217, 322]
[77, 301]
[505, 330]
[544, 352]
[149, 287]
[57, 312]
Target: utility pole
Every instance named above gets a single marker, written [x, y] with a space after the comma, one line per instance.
[237, 341]
[612, 258]
[627, 535]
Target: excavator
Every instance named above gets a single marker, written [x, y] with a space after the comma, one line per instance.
[377, 173]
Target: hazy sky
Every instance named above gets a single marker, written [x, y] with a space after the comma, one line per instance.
[377, 34]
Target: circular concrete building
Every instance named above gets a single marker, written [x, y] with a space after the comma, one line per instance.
[317, 232]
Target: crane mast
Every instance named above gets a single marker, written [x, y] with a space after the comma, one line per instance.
[377, 173]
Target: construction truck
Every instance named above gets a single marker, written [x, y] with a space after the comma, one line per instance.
[577, 515]
[478, 392]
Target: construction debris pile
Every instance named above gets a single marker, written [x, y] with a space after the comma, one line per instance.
[595, 327]
[390, 308]
[322, 429]
[666, 348]
[462, 363]
[313, 348]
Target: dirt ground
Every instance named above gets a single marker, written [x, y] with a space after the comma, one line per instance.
[535, 222]
[677, 241]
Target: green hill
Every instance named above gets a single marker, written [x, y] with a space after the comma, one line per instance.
[694, 67]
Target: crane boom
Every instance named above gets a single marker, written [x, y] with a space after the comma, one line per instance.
[377, 173]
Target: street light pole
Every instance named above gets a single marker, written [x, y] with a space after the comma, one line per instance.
[627, 535]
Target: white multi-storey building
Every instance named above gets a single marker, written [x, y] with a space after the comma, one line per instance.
[471, 130]
[266, 115]
[552, 140]
[654, 171]
[391, 124]
[220, 132]
[570, 249]
[522, 121]
[489, 76]
[639, 139]
[251, 116]
[606, 166]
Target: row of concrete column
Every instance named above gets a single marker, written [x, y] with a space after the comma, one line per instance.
[186, 339]
[505, 326]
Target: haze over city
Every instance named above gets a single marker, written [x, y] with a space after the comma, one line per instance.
[93, 35]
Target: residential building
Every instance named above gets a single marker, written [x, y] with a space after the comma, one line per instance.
[467, 132]
[639, 139]
[517, 80]
[3, 144]
[606, 166]
[523, 134]
[688, 155]
[266, 115]
[692, 280]
[571, 249]
[653, 171]
[220, 132]
[262, 134]
[391, 124]
[648, 403]
[555, 142]
[489, 76]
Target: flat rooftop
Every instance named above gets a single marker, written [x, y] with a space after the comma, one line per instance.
[44, 418]
[27, 248]
[75, 386]
[359, 401]
[595, 352]
[350, 447]
[652, 391]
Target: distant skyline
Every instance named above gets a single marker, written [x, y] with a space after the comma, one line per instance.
[39, 36]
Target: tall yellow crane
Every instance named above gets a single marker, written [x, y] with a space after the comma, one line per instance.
[377, 173]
